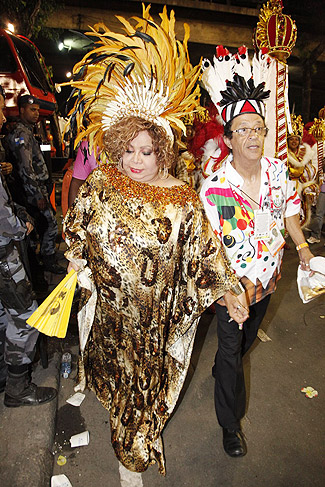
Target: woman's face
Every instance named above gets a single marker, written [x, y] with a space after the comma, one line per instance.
[139, 160]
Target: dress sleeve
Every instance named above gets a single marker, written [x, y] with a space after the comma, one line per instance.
[75, 224]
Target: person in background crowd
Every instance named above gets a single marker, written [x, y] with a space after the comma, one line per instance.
[249, 201]
[317, 224]
[17, 339]
[302, 165]
[34, 176]
[84, 164]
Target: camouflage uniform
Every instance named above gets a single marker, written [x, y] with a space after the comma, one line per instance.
[34, 175]
[17, 339]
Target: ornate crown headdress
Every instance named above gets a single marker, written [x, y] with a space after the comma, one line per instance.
[297, 126]
[145, 72]
[275, 31]
[233, 85]
[318, 129]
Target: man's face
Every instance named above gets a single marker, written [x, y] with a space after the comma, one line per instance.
[2, 115]
[247, 148]
[30, 113]
[293, 143]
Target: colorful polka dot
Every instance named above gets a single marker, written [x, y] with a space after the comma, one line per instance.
[241, 224]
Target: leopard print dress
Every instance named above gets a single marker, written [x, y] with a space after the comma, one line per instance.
[156, 266]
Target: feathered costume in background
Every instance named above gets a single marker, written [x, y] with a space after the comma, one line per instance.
[145, 72]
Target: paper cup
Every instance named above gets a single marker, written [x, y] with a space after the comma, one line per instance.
[60, 481]
[81, 439]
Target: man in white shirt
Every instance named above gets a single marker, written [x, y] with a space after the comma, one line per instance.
[249, 201]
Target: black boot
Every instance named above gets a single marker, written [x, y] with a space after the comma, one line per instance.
[50, 265]
[20, 391]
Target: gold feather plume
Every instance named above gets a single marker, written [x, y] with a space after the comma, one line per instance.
[144, 72]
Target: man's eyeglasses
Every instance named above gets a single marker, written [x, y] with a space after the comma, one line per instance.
[246, 131]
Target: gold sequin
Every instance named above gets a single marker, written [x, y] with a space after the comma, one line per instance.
[177, 195]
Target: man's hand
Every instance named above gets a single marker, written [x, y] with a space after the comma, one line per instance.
[237, 306]
[42, 204]
[29, 227]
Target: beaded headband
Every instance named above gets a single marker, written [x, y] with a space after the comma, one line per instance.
[144, 72]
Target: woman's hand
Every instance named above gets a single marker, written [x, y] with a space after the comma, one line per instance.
[237, 306]
[73, 266]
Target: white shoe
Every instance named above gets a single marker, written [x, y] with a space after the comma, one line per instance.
[313, 240]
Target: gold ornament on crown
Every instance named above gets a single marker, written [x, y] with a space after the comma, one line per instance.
[275, 31]
[143, 72]
[297, 126]
[200, 116]
[321, 113]
[318, 129]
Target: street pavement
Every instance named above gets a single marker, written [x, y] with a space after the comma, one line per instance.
[284, 429]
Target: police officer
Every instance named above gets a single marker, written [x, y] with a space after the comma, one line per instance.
[17, 339]
[34, 176]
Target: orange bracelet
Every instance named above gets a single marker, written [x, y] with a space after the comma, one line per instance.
[301, 246]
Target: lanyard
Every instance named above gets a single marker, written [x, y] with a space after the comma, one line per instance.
[239, 198]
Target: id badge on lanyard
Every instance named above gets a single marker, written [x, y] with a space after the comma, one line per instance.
[262, 223]
[275, 241]
[266, 229]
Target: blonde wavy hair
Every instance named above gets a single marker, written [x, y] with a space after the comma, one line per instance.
[118, 137]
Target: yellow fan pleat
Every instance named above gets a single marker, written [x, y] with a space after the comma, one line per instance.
[52, 316]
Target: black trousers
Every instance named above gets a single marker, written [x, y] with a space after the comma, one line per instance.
[230, 393]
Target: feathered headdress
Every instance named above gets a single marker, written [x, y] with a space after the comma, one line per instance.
[144, 72]
[234, 85]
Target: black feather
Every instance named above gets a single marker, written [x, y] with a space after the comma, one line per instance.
[98, 86]
[239, 89]
[96, 59]
[122, 57]
[80, 74]
[145, 37]
[109, 69]
[128, 69]
[72, 94]
[152, 24]
[129, 47]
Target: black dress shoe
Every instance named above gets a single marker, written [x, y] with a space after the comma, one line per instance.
[31, 396]
[234, 443]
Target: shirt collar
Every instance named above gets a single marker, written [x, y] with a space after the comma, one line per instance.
[235, 178]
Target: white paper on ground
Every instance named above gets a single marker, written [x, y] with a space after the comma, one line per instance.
[76, 399]
[81, 439]
[263, 336]
[60, 481]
